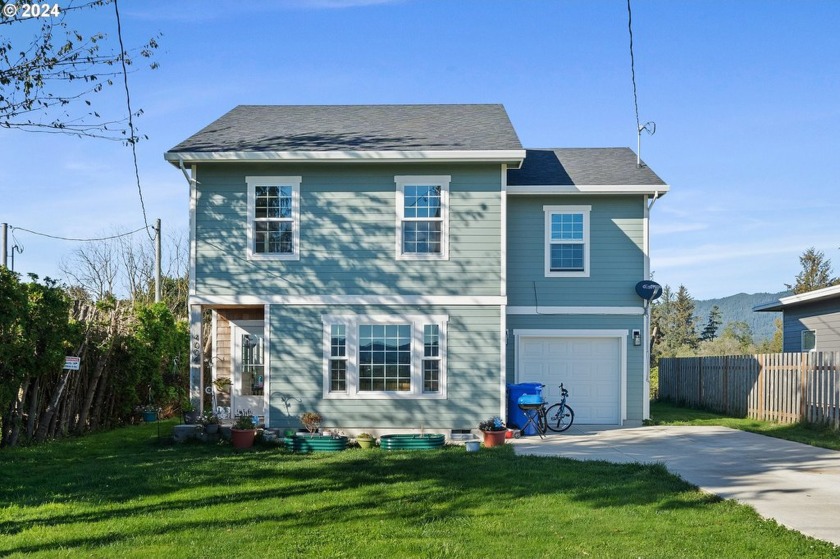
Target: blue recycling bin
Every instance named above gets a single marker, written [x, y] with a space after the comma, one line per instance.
[515, 416]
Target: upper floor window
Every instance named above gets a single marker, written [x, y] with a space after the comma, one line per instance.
[422, 217]
[273, 217]
[567, 241]
[809, 340]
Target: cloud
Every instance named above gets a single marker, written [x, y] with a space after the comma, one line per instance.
[745, 252]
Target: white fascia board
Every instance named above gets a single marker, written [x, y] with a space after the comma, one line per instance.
[320, 300]
[632, 311]
[659, 190]
[448, 156]
[809, 297]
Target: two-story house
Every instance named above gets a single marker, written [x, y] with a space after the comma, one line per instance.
[394, 267]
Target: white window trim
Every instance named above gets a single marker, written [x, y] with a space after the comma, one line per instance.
[352, 323]
[587, 240]
[423, 180]
[253, 183]
[802, 341]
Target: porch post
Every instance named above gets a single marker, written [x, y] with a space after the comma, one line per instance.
[196, 358]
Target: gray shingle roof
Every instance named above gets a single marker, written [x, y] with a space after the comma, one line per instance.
[582, 166]
[290, 128]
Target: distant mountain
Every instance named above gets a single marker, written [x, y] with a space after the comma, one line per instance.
[739, 307]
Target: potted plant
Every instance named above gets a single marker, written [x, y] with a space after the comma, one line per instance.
[494, 431]
[244, 431]
[210, 422]
[311, 420]
[191, 414]
[365, 440]
[150, 413]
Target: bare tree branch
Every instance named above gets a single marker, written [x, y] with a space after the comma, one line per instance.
[49, 78]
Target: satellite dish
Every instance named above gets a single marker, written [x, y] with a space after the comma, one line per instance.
[648, 290]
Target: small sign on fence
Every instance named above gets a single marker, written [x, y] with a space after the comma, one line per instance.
[72, 363]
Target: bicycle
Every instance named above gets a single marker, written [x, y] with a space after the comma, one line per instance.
[559, 416]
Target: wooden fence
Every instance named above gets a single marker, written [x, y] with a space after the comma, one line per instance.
[781, 387]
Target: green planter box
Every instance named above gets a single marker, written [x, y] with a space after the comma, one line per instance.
[149, 416]
[411, 442]
[315, 443]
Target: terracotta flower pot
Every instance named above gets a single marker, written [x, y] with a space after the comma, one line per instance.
[494, 438]
[242, 438]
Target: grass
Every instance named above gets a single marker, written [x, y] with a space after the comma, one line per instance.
[123, 494]
[666, 413]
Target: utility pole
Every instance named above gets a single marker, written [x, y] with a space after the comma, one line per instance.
[5, 243]
[157, 261]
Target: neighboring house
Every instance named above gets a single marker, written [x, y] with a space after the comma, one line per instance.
[810, 321]
[393, 267]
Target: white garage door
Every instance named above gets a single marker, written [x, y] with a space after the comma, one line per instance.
[590, 368]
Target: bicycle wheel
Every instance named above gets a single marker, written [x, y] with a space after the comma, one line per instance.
[559, 417]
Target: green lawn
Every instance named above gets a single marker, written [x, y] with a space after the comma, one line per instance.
[124, 494]
[666, 413]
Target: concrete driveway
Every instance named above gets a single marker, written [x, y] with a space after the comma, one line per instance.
[795, 484]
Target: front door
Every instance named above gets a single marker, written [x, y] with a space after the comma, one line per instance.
[249, 373]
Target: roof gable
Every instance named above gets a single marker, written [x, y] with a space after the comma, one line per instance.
[355, 128]
[583, 167]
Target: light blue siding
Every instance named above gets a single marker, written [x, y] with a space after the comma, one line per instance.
[822, 317]
[473, 376]
[348, 233]
[616, 253]
[635, 358]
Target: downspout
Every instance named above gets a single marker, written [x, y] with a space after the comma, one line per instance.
[652, 201]
[646, 349]
[186, 176]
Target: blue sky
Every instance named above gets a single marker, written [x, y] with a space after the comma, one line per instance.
[745, 95]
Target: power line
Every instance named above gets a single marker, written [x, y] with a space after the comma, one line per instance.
[633, 64]
[133, 138]
[12, 227]
[649, 127]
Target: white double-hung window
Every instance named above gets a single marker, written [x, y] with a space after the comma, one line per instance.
[273, 218]
[422, 217]
[384, 357]
[567, 241]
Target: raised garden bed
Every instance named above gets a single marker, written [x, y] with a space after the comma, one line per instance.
[315, 443]
[411, 442]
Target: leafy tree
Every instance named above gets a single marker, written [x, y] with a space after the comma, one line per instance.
[816, 272]
[773, 345]
[37, 335]
[50, 73]
[735, 339]
[712, 325]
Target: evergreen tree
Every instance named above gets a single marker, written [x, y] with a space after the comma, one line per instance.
[816, 272]
[673, 324]
[712, 325]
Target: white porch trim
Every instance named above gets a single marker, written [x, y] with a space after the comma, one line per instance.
[319, 300]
